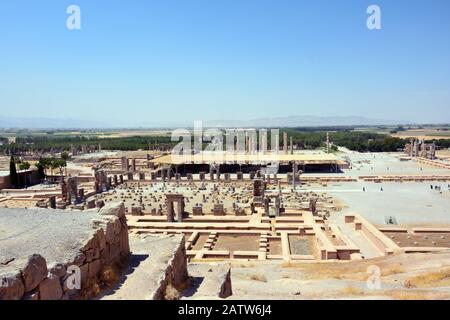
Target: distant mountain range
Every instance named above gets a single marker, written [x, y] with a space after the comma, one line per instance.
[301, 121]
[295, 121]
[47, 123]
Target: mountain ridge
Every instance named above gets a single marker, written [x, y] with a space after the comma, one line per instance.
[286, 122]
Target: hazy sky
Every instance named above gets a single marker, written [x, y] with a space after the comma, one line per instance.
[150, 60]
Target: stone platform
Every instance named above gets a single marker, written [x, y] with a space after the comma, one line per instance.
[40, 246]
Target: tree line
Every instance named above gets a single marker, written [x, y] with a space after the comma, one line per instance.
[304, 139]
[354, 140]
[60, 144]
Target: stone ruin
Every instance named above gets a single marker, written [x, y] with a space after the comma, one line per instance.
[101, 181]
[312, 206]
[179, 200]
[418, 148]
[72, 190]
[124, 164]
[258, 191]
[37, 272]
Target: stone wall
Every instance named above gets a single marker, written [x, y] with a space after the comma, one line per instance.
[26, 177]
[176, 273]
[97, 260]
[5, 182]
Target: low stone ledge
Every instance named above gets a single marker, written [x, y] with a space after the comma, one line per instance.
[209, 280]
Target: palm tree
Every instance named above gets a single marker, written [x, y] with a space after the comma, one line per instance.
[65, 157]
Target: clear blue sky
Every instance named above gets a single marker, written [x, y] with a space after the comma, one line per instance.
[225, 59]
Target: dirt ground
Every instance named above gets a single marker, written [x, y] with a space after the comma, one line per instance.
[402, 277]
[420, 240]
[237, 242]
[426, 134]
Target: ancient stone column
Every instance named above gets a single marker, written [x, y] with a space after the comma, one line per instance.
[121, 178]
[136, 211]
[312, 205]
[277, 206]
[150, 165]
[416, 149]
[218, 209]
[90, 204]
[291, 146]
[52, 201]
[285, 142]
[72, 191]
[97, 187]
[294, 174]
[180, 211]
[263, 141]
[266, 206]
[124, 163]
[133, 165]
[197, 210]
[257, 188]
[100, 204]
[433, 151]
[170, 213]
[81, 194]
[64, 190]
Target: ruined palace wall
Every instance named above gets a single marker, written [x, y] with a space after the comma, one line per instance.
[104, 250]
[5, 182]
[176, 273]
[385, 245]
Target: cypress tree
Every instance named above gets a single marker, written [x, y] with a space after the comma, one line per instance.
[13, 173]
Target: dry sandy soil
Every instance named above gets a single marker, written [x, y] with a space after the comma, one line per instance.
[423, 134]
[403, 277]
